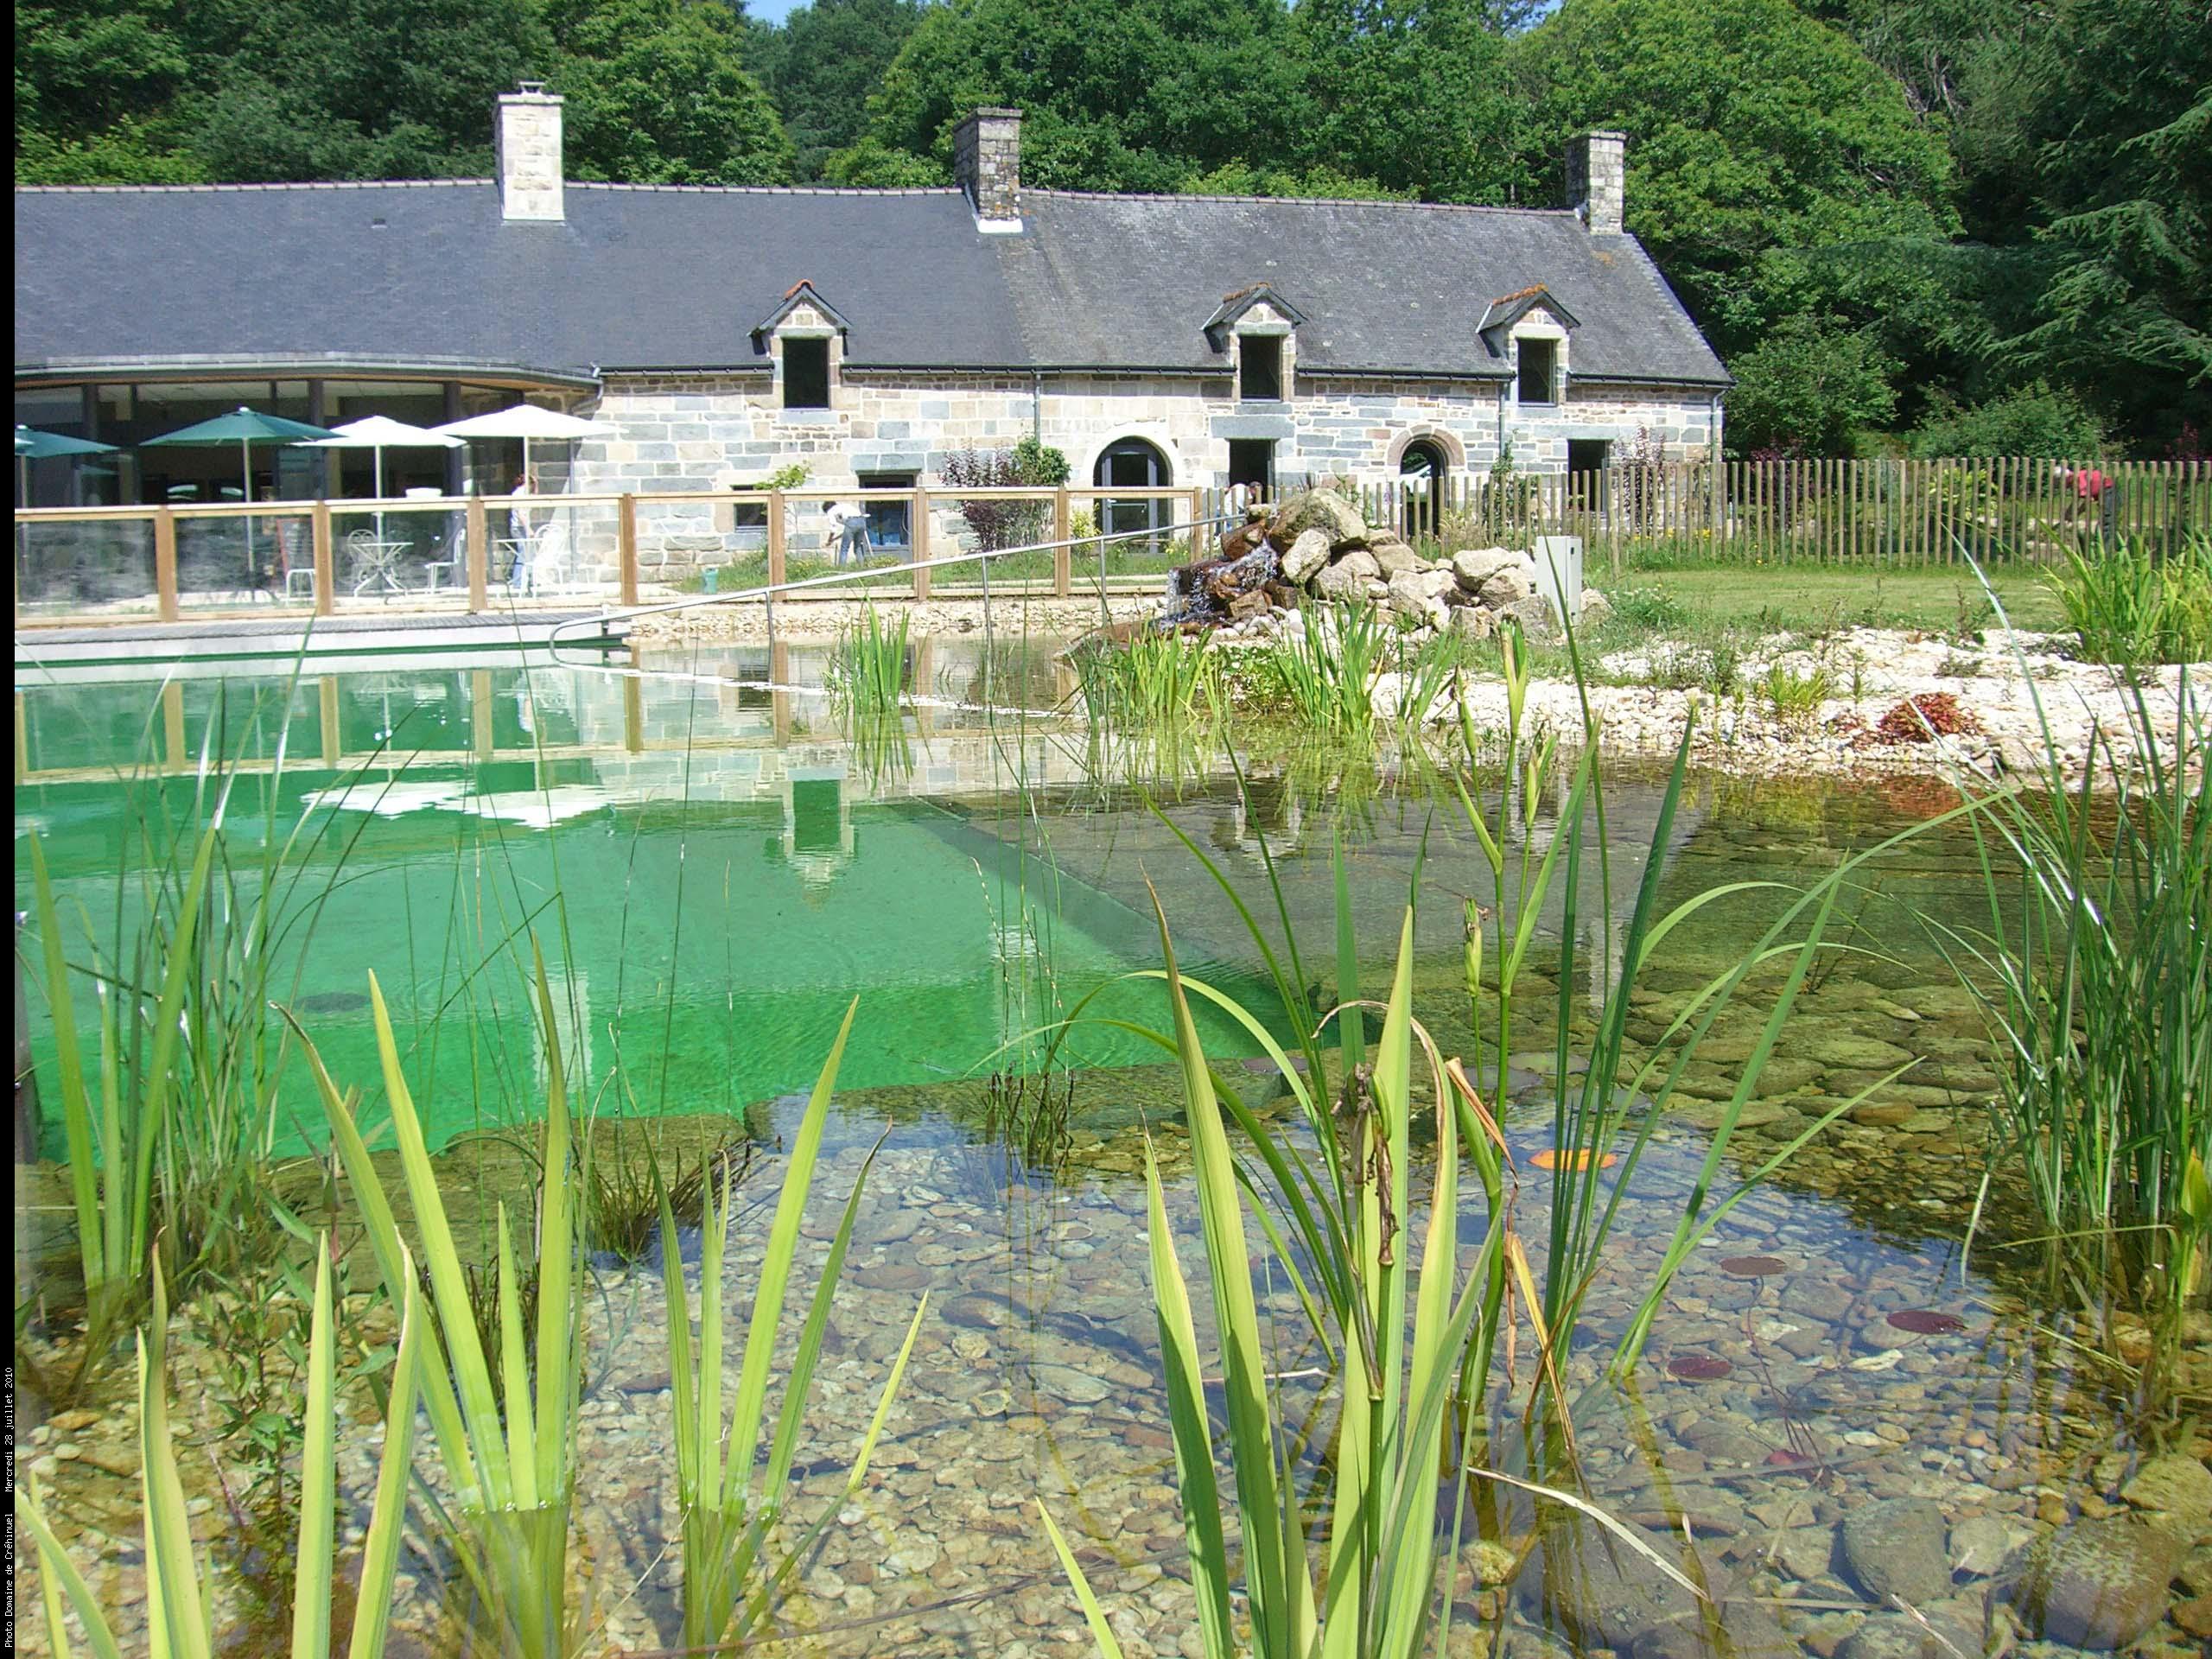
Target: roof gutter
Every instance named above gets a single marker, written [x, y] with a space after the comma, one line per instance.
[294, 366]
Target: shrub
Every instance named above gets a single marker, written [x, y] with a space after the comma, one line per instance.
[998, 524]
[1924, 718]
[1794, 699]
[2032, 420]
[2126, 605]
[1649, 607]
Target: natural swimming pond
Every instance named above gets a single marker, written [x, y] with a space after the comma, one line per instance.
[1835, 1406]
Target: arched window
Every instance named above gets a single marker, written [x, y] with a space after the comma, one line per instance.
[1132, 463]
[1423, 473]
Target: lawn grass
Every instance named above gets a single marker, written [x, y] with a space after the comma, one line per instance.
[1798, 599]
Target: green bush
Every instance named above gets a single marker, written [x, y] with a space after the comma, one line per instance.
[2032, 420]
[2126, 604]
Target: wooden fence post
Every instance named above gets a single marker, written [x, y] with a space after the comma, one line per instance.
[626, 546]
[326, 561]
[920, 538]
[479, 556]
[165, 563]
[1063, 534]
[775, 538]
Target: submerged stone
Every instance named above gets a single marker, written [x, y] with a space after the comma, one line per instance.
[1898, 1548]
[2097, 1584]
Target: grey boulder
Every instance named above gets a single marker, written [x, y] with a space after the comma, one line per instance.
[1309, 552]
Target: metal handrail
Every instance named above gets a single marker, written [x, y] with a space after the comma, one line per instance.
[767, 592]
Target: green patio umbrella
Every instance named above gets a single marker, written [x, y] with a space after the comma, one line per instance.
[33, 445]
[245, 428]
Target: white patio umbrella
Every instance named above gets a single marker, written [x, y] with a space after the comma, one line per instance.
[378, 433]
[529, 423]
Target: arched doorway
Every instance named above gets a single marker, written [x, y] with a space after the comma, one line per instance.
[1134, 464]
[1424, 470]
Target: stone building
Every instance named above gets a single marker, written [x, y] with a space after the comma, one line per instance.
[727, 333]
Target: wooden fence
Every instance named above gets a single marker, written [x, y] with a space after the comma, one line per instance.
[78, 565]
[1878, 512]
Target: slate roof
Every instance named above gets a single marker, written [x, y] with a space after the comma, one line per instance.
[641, 277]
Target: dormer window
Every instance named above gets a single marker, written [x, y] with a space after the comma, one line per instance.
[1539, 371]
[806, 373]
[1258, 328]
[1259, 367]
[803, 338]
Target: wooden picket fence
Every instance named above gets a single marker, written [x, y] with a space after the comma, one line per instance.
[1897, 513]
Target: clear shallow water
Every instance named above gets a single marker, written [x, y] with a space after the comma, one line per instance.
[735, 874]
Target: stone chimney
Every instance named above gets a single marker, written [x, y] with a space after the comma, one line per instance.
[528, 144]
[987, 164]
[1597, 180]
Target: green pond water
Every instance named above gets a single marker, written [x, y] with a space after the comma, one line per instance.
[715, 873]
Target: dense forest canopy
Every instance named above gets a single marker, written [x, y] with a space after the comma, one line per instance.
[1950, 226]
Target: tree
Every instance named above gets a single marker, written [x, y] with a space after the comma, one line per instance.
[657, 94]
[1118, 94]
[94, 85]
[1773, 169]
[1412, 95]
[1806, 388]
[2112, 131]
[351, 89]
[821, 65]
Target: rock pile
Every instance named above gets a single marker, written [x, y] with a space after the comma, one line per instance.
[1316, 543]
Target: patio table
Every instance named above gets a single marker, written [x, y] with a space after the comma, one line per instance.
[374, 562]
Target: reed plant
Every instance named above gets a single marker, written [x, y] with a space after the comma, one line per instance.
[1153, 683]
[169, 1094]
[867, 674]
[1322, 676]
[1609, 1109]
[508, 1451]
[733, 1470]
[2095, 973]
[180, 1620]
[2131, 604]
[1360, 1580]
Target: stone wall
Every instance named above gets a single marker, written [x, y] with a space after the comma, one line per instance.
[705, 433]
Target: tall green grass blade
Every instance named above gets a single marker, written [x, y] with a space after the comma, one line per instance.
[388, 1511]
[318, 1477]
[58, 1576]
[1281, 1592]
[175, 1595]
[1192, 1427]
[776, 1271]
[488, 1477]
[1093, 1614]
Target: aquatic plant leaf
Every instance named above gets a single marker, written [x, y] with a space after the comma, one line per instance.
[318, 1477]
[1187, 1418]
[486, 1468]
[174, 1594]
[1752, 1266]
[1577, 1158]
[776, 1273]
[59, 1575]
[388, 1511]
[395, 1264]
[1698, 1368]
[1281, 1592]
[69, 1070]
[1093, 1614]
[1926, 1322]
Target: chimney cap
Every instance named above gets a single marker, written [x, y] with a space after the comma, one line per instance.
[991, 112]
[1613, 133]
[531, 88]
